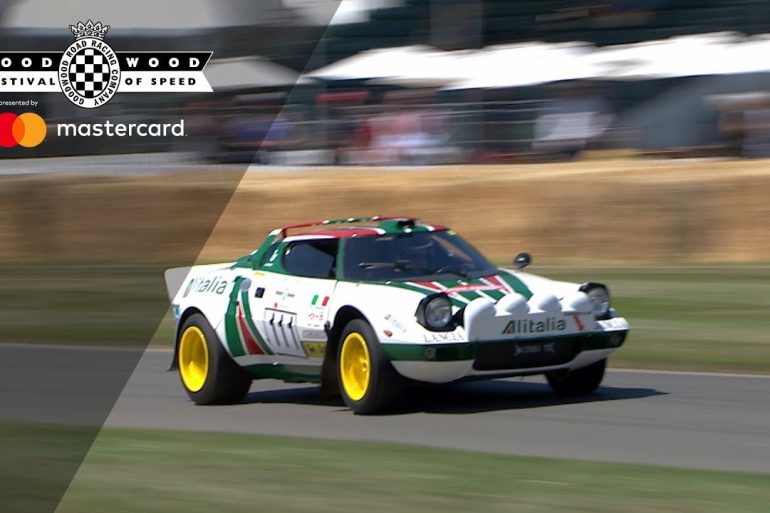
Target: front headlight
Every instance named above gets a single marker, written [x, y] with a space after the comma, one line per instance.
[435, 312]
[600, 298]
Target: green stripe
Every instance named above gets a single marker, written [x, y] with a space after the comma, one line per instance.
[443, 352]
[495, 294]
[426, 292]
[231, 325]
[315, 298]
[291, 374]
[250, 322]
[475, 294]
[515, 283]
[469, 295]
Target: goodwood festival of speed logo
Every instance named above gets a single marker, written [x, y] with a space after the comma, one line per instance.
[89, 72]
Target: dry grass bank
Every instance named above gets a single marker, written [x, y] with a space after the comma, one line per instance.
[609, 211]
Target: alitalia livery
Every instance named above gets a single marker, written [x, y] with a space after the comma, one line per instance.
[365, 306]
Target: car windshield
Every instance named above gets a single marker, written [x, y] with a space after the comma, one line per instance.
[422, 256]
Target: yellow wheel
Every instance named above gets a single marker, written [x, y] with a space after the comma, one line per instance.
[368, 382]
[355, 366]
[208, 373]
[193, 358]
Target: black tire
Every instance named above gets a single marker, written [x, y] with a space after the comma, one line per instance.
[224, 381]
[385, 385]
[578, 382]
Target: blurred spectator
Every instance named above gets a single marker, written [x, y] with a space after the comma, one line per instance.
[578, 116]
[756, 129]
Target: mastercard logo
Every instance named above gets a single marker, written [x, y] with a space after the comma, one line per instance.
[26, 129]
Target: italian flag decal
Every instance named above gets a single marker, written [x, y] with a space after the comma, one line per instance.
[319, 300]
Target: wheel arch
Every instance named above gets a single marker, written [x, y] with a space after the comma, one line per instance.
[345, 314]
[189, 312]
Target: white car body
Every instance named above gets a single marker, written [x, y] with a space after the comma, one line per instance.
[279, 325]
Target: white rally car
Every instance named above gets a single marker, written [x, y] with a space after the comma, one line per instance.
[366, 305]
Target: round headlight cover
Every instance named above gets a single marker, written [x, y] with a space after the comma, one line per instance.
[438, 312]
[600, 299]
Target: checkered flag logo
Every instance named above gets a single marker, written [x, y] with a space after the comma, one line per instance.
[89, 73]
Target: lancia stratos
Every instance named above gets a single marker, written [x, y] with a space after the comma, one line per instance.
[368, 306]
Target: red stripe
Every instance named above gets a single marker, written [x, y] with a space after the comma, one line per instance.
[429, 285]
[499, 283]
[251, 345]
[326, 300]
[340, 233]
[471, 288]
[580, 325]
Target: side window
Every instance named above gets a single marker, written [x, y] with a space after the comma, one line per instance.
[313, 258]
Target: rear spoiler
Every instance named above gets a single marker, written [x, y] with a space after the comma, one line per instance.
[175, 278]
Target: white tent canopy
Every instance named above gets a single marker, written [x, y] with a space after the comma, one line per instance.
[533, 63]
[703, 54]
[528, 64]
[410, 63]
[249, 72]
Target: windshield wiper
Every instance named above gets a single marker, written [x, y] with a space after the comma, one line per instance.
[398, 264]
[462, 274]
[403, 265]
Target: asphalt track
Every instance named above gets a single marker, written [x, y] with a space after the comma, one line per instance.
[675, 419]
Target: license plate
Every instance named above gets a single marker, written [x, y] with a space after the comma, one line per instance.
[538, 348]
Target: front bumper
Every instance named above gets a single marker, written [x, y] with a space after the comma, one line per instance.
[446, 362]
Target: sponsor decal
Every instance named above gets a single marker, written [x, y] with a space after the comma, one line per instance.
[524, 326]
[315, 349]
[283, 299]
[313, 335]
[443, 336]
[316, 317]
[89, 72]
[217, 285]
[111, 129]
[400, 326]
[27, 129]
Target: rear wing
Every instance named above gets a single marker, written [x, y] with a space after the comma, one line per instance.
[175, 278]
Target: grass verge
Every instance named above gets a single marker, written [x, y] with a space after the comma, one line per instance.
[160, 472]
[707, 318]
[711, 318]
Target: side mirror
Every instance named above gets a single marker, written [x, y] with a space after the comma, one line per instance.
[522, 260]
